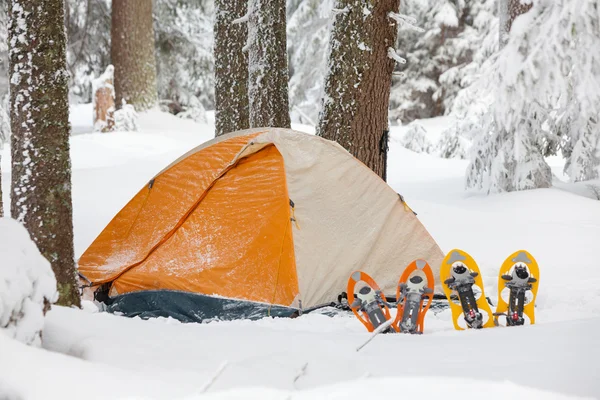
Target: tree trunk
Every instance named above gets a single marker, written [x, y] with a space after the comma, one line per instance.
[41, 166]
[267, 64]
[132, 53]
[104, 101]
[231, 67]
[357, 88]
[508, 11]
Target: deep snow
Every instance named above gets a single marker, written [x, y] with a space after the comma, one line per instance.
[314, 356]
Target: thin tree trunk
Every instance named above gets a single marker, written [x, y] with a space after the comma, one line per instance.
[41, 165]
[357, 87]
[132, 53]
[267, 64]
[231, 67]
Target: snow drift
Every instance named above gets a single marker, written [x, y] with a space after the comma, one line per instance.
[27, 284]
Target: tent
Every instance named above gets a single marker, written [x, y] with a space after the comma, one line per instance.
[258, 222]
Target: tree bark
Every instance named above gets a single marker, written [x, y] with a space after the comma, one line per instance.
[357, 87]
[41, 165]
[231, 67]
[267, 64]
[508, 11]
[132, 53]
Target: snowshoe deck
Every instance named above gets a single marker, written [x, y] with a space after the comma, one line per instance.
[414, 296]
[517, 294]
[369, 305]
[479, 314]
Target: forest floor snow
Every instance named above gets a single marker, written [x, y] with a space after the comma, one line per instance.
[96, 355]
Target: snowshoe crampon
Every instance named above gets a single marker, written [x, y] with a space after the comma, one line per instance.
[518, 281]
[463, 287]
[414, 295]
[367, 302]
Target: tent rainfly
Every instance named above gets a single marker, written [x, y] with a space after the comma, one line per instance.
[259, 222]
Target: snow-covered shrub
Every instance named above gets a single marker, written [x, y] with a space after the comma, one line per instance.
[595, 189]
[452, 144]
[194, 111]
[415, 139]
[27, 284]
[126, 118]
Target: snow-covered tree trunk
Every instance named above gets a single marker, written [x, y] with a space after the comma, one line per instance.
[41, 165]
[267, 64]
[132, 53]
[103, 92]
[357, 87]
[508, 10]
[231, 67]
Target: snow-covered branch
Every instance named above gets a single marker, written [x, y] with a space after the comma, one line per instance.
[405, 20]
[243, 19]
[336, 11]
[394, 56]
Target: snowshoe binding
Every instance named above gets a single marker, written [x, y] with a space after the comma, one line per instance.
[414, 296]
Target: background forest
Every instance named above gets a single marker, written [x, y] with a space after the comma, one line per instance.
[483, 115]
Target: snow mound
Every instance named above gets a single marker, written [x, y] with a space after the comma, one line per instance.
[27, 284]
[431, 387]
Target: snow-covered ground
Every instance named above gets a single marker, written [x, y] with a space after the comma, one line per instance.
[97, 355]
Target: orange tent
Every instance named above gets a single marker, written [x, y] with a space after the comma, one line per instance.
[259, 222]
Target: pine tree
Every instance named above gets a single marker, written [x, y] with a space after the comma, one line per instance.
[132, 53]
[547, 97]
[308, 36]
[88, 44]
[41, 166]
[231, 67]
[357, 88]
[267, 64]
[184, 56]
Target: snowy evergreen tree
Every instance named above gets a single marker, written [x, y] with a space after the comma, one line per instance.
[231, 67]
[267, 63]
[547, 86]
[88, 44]
[446, 43]
[309, 27]
[184, 55]
[357, 88]
[474, 97]
[39, 110]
